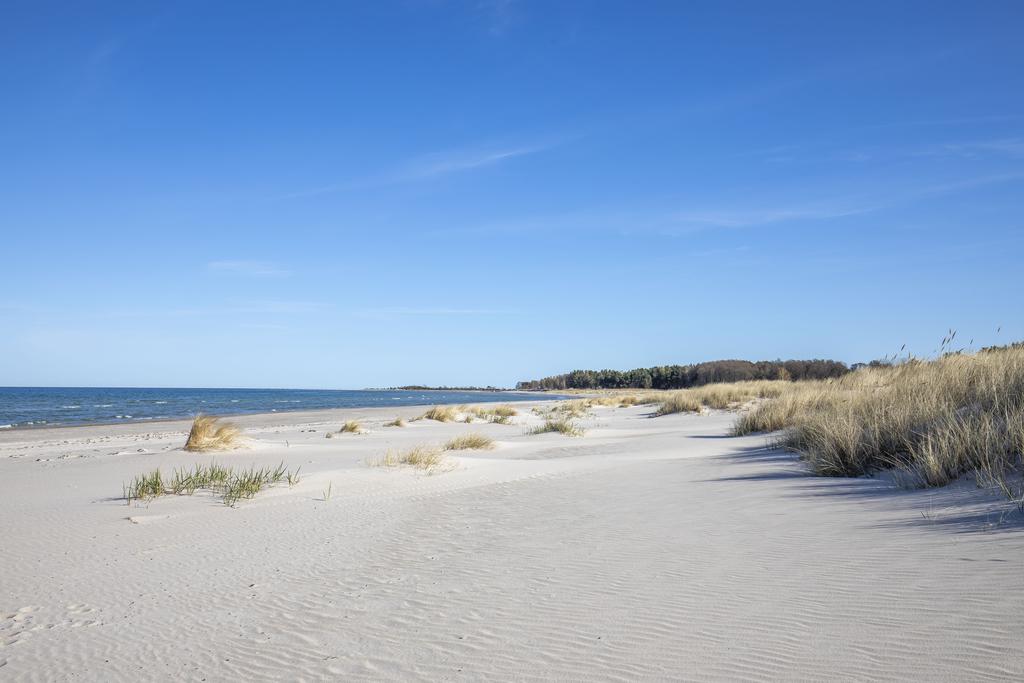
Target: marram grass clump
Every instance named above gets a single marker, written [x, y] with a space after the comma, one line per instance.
[470, 442]
[427, 458]
[562, 426]
[232, 485]
[210, 434]
[441, 414]
[351, 427]
[496, 411]
[678, 403]
[397, 422]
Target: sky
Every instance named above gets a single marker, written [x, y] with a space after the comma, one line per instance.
[347, 195]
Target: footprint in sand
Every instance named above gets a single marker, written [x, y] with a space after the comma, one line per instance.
[23, 613]
[146, 519]
[15, 625]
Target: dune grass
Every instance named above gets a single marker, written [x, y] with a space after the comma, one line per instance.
[208, 433]
[503, 411]
[561, 425]
[679, 403]
[719, 396]
[232, 485]
[441, 414]
[495, 414]
[578, 408]
[423, 457]
[397, 422]
[932, 420]
[350, 427]
[470, 442]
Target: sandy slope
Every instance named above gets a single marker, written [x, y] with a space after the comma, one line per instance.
[651, 548]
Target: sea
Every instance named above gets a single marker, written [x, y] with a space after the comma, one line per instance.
[27, 407]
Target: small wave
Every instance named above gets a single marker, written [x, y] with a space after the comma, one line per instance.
[6, 426]
[102, 405]
[159, 402]
[69, 407]
[234, 400]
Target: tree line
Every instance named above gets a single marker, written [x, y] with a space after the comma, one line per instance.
[684, 376]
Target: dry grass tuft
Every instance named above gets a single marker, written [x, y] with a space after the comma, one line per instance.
[562, 426]
[470, 442]
[441, 414]
[719, 396]
[504, 411]
[397, 422]
[679, 403]
[428, 458]
[351, 427]
[499, 414]
[210, 434]
[572, 409]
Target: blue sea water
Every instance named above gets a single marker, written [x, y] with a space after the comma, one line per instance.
[57, 406]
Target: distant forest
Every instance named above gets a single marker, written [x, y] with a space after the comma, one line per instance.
[683, 376]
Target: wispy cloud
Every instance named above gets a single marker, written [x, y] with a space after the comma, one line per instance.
[275, 307]
[731, 218]
[400, 311]
[835, 208]
[738, 214]
[1011, 147]
[249, 268]
[434, 165]
[430, 167]
[966, 120]
[968, 184]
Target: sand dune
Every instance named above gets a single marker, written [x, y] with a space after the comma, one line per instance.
[649, 549]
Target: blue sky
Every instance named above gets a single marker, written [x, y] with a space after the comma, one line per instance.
[366, 194]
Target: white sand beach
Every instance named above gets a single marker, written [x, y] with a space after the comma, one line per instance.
[647, 549]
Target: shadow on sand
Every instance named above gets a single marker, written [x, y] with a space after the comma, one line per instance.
[961, 507]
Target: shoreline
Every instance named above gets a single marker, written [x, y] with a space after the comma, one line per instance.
[284, 418]
[235, 417]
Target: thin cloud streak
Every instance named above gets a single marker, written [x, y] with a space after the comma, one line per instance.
[403, 311]
[250, 268]
[678, 222]
[430, 167]
[441, 164]
[767, 216]
[1012, 147]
